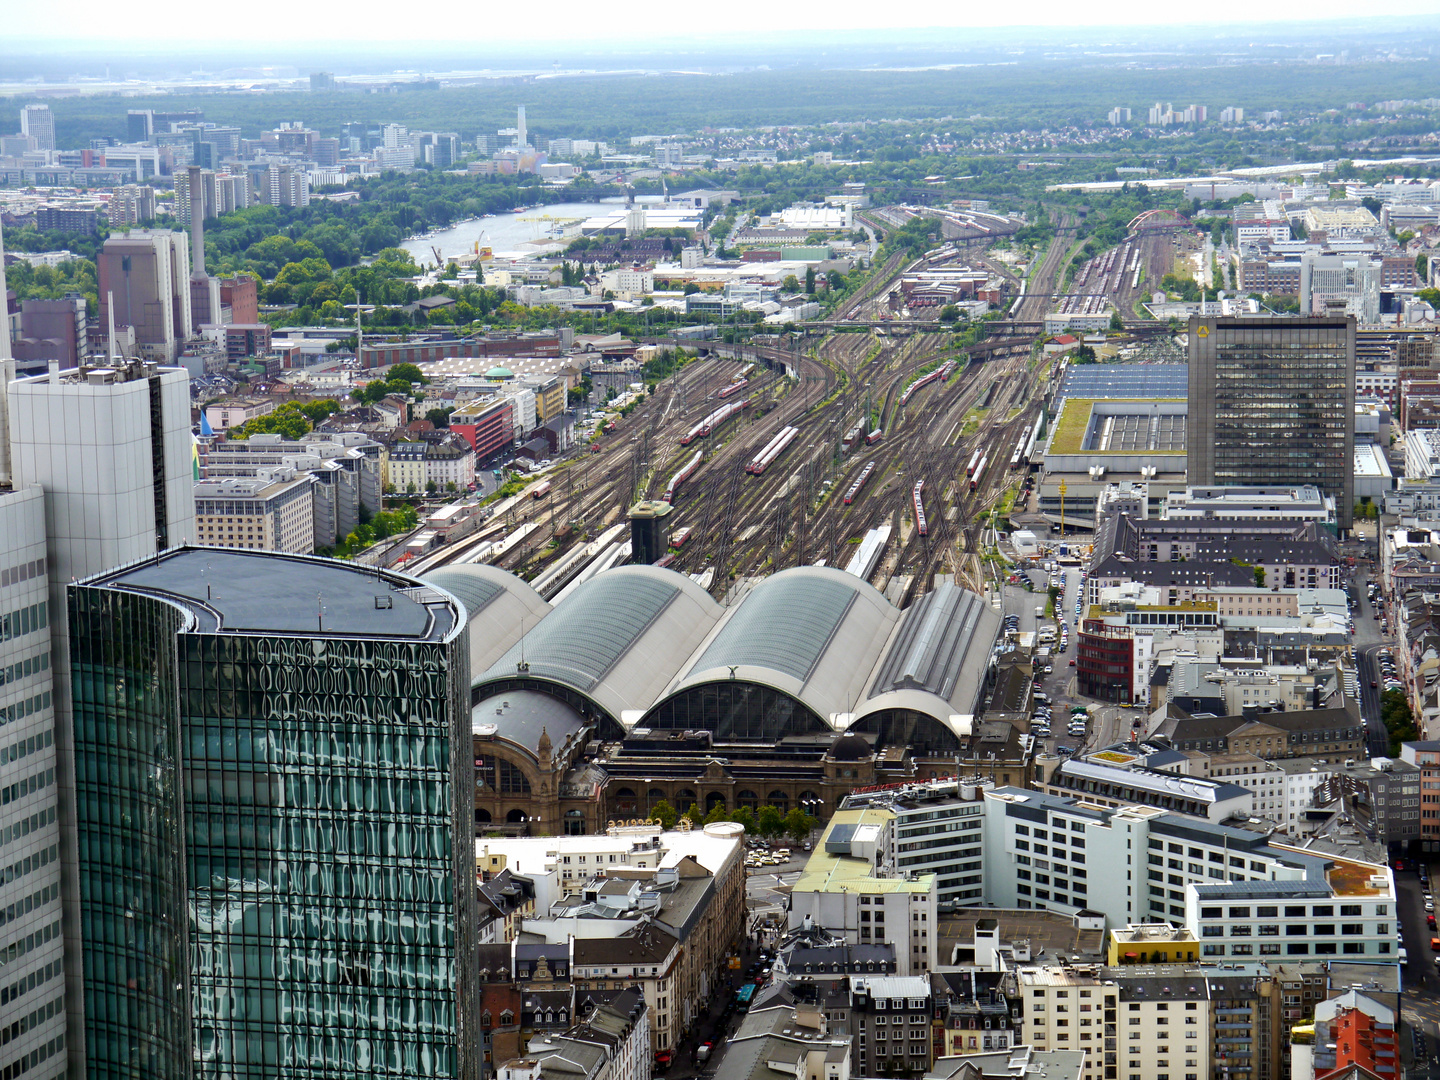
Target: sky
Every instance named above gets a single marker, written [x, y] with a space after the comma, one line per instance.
[574, 23]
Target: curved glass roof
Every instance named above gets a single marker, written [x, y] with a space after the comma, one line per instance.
[471, 590]
[784, 624]
[592, 629]
[930, 646]
[498, 605]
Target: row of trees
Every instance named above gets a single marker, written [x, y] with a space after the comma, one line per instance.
[291, 419]
[372, 528]
[767, 821]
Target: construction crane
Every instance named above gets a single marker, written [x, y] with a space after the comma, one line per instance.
[439, 259]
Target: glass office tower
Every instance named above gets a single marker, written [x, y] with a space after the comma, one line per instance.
[274, 788]
[1272, 401]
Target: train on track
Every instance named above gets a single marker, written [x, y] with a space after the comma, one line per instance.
[773, 449]
[941, 374]
[714, 420]
[541, 491]
[679, 536]
[859, 483]
[979, 472]
[917, 499]
[1020, 455]
[874, 437]
[734, 388]
[974, 460]
[684, 474]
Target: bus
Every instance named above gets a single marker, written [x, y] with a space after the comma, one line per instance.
[743, 997]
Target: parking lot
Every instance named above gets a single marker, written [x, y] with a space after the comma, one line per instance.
[1054, 718]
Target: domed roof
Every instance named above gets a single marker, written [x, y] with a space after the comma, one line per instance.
[850, 747]
[499, 373]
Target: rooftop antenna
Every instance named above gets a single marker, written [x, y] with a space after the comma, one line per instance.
[111, 354]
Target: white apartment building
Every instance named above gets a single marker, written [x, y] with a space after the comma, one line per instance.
[1041, 851]
[628, 283]
[1149, 1025]
[271, 511]
[852, 888]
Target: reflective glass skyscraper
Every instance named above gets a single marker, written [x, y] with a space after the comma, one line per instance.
[274, 788]
[1272, 401]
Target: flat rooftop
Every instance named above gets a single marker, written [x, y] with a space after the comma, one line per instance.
[1049, 933]
[260, 592]
[1120, 426]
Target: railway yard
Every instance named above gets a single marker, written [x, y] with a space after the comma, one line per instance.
[783, 456]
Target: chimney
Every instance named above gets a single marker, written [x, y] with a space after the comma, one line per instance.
[197, 225]
[7, 372]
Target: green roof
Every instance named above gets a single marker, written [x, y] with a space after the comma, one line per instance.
[499, 373]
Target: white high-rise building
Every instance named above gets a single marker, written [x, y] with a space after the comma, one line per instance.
[32, 980]
[522, 137]
[38, 122]
[111, 449]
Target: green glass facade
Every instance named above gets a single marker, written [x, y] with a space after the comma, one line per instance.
[276, 847]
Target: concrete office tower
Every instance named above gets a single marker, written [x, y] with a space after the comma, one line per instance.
[32, 980]
[1272, 401]
[522, 137]
[147, 273]
[112, 451]
[204, 290]
[38, 122]
[277, 845]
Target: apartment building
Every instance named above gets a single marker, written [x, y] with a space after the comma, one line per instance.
[272, 511]
[890, 1018]
[850, 886]
[655, 909]
[1426, 756]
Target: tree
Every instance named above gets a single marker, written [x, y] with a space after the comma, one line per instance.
[691, 288]
[798, 824]
[664, 813]
[1116, 323]
[1422, 266]
[810, 281]
[440, 417]
[693, 815]
[949, 313]
[717, 813]
[1259, 577]
[791, 283]
[746, 817]
[407, 372]
[770, 822]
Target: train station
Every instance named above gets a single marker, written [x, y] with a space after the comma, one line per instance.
[639, 687]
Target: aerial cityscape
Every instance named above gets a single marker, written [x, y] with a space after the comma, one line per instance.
[862, 551]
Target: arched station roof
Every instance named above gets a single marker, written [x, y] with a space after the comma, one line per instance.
[814, 633]
[616, 640]
[499, 605]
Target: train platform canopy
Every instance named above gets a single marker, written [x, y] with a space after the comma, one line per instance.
[498, 604]
[929, 682]
[813, 633]
[615, 641]
[809, 651]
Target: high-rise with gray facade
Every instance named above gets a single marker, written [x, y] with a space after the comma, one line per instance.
[1272, 401]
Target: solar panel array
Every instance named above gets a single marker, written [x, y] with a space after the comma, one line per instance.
[1126, 381]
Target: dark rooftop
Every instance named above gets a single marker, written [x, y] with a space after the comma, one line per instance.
[263, 592]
